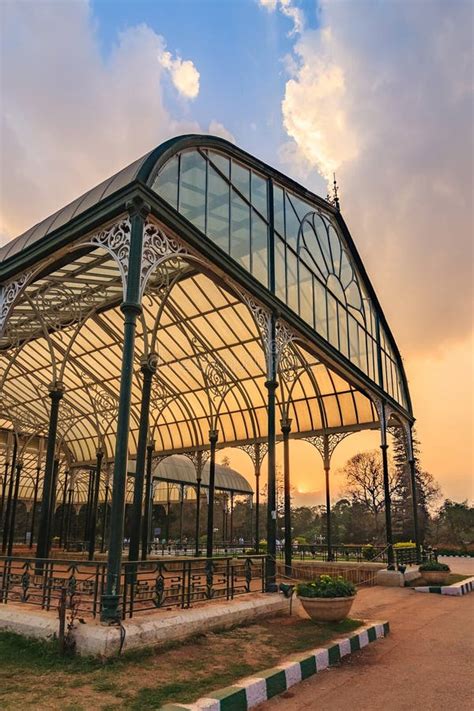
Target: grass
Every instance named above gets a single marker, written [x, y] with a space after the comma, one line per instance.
[33, 675]
[421, 582]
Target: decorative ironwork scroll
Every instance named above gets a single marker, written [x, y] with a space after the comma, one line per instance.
[8, 295]
[326, 444]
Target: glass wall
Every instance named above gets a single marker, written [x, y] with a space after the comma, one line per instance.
[225, 200]
[314, 273]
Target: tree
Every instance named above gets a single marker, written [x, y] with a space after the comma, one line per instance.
[455, 523]
[364, 477]
[427, 490]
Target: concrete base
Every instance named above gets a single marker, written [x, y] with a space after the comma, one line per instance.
[412, 575]
[390, 578]
[150, 630]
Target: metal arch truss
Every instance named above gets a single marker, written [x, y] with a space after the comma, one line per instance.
[256, 452]
[199, 458]
[8, 295]
[276, 349]
[326, 444]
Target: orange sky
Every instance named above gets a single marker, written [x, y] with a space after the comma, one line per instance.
[401, 146]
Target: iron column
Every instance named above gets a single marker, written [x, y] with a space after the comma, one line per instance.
[286, 429]
[147, 516]
[95, 503]
[43, 545]
[148, 369]
[131, 308]
[386, 486]
[414, 494]
[327, 466]
[213, 435]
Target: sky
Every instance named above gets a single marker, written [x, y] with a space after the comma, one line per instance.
[379, 91]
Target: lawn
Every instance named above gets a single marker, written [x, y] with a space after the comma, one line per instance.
[33, 675]
[421, 582]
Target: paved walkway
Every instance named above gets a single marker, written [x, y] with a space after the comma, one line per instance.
[425, 663]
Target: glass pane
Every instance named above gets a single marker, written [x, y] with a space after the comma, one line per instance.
[343, 340]
[292, 224]
[332, 320]
[192, 196]
[353, 341]
[306, 295]
[241, 179]
[291, 277]
[278, 210]
[240, 233]
[259, 249]
[320, 308]
[280, 269]
[166, 182]
[218, 209]
[221, 162]
[259, 194]
[335, 250]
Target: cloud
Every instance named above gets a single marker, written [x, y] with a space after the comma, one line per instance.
[217, 129]
[287, 8]
[184, 74]
[383, 95]
[72, 117]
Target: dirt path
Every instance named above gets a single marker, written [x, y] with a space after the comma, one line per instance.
[426, 662]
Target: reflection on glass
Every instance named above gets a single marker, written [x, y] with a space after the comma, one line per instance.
[259, 249]
[240, 231]
[166, 184]
[192, 192]
[218, 209]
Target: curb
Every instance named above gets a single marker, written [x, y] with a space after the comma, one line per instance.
[462, 588]
[250, 692]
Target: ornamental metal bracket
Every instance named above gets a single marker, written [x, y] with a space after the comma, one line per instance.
[8, 295]
[160, 250]
[215, 375]
[256, 452]
[276, 349]
[199, 458]
[326, 444]
[115, 239]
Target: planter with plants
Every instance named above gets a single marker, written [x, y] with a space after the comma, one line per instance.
[434, 572]
[327, 598]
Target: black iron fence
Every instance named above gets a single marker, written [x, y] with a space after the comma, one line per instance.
[358, 554]
[145, 586]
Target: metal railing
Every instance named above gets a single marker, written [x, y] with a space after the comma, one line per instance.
[145, 585]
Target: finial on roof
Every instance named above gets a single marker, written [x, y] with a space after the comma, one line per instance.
[335, 196]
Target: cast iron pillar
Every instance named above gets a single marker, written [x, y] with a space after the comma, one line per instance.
[199, 466]
[147, 514]
[181, 513]
[258, 467]
[11, 536]
[271, 385]
[43, 545]
[286, 429]
[414, 493]
[386, 486]
[148, 369]
[327, 467]
[104, 514]
[35, 504]
[95, 503]
[213, 436]
[131, 309]
[6, 518]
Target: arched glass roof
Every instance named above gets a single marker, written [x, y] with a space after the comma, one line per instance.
[259, 233]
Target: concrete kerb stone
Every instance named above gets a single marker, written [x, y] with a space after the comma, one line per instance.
[250, 692]
[462, 588]
[148, 630]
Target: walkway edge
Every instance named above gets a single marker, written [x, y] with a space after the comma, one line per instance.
[462, 588]
[250, 692]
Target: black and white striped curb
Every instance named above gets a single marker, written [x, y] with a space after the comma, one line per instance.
[462, 588]
[250, 692]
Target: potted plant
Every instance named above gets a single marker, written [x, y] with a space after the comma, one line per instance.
[434, 572]
[327, 598]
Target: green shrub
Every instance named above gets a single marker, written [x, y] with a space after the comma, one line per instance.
[404, 544]
[369, 552]
[433, 565]
[301, 540]
[326, 586]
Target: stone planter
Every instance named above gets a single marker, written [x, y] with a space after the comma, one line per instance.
[435, 577]
[327, 609]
